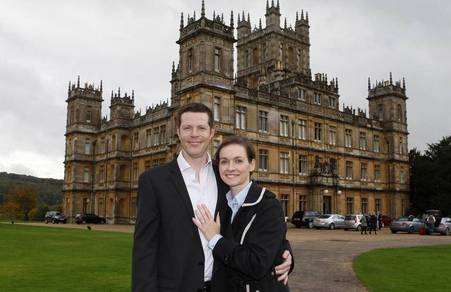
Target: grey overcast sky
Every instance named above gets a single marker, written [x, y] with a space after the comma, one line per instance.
[45, 44]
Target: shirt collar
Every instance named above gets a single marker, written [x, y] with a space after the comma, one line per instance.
[184, 165]
[240, 197]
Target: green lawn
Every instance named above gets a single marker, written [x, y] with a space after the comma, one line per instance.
[59, 259]
[406, 269]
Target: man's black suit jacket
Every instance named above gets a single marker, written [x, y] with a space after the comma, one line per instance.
[167, 250]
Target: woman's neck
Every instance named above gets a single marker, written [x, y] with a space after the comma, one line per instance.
[238, 188]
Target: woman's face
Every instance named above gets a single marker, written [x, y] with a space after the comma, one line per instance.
[234, 167]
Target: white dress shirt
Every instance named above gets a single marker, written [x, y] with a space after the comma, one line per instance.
[202, 189]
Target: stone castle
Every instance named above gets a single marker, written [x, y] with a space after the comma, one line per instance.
[311, 153]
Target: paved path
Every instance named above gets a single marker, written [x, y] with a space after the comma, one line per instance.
[323, 257]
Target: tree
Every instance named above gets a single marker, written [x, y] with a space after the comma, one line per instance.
[430, 177]
[19, 201]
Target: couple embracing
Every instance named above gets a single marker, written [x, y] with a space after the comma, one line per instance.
[202, 224]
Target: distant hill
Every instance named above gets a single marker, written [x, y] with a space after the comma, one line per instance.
[49, 190]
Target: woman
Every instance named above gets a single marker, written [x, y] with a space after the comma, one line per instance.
[247, 250]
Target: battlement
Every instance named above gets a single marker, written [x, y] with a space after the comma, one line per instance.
[387, 87]
[216, 25]
[89, 90]
[117, 99]
[320, 81]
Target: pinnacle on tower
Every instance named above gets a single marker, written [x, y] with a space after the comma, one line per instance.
[278, 6]
[119, 92]
[194, 16]
[267, 6]
[404, 83]
[111, 94]
[297, 16]
[369, 83]
[242, 17]
[173, 67]
[214, 15]
[391, 79]
[202, 11]
[306, 16]
[181, 20]
[222, 17]
[260, 23]
[272, 3]
[238, 18]
[302, 14]
[248, 18]
[231, 18]
[285, 25]
[68, 89]
[101, 86]
[78, 81]
[133, 94]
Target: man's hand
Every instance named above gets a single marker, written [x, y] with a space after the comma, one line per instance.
[283, 269]
[204, 221]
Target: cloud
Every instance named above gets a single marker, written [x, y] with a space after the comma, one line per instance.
[132, 44]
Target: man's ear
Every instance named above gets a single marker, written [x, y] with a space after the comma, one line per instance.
[212, 132]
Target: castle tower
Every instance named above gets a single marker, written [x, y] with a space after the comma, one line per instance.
[387, 103]
[84, 106]
[122, 107]
[205, 70]
[272, 53]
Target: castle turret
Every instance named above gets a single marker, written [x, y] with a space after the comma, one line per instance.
[122, 107]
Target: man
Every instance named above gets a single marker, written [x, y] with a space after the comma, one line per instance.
[169, 253]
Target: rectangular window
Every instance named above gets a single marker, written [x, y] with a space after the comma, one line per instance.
[190, 60]
[149, 138]
[402, 176]
[217, 59]
[364, 205]
[377, 172]
[349, 170]
[86, 175]
[156, 136]
[350, 205]
[263, 121]
[332, 135]
[135, 141]
[284, 160]
[302, 129]
[363, 171]
[348, 138]
[263, 160]
[217, 109]
[283, 126]
[240, 117]
[302, 164]
[102, 174]
[378, 205]
[332, 102]
[376, 144]
[362, 141]
[317, 99]
[163, 134]
[318, 132]
[302, 203]
[88, 117]
[87, 147]
[284, 203]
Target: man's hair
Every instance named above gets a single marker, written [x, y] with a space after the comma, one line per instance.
[194, 107]
[237, 140]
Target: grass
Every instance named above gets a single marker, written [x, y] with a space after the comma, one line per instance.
[406, 269]
[59, 259]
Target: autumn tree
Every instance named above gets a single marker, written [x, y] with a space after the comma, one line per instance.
[19, 201]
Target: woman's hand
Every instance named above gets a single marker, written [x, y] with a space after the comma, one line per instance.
[204, 221]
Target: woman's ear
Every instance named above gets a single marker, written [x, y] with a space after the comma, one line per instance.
[252, 165]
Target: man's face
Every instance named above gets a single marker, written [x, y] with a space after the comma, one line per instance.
[195, 133]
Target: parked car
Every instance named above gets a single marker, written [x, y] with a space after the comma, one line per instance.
[407, 224]
[304, 218]
[55, 217]
[443, 226]
[330, 221]
[386, 220]
[353, 222]
[89, 218]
